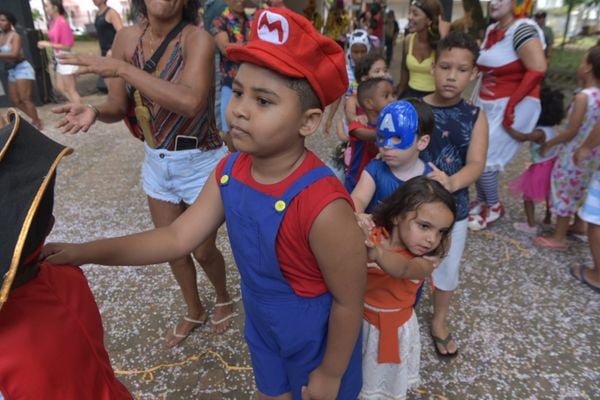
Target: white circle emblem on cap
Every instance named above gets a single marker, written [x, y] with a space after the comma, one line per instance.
[273, 28]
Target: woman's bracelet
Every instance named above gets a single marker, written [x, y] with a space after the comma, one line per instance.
[94, 109]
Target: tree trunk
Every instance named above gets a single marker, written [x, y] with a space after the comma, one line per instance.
[571, 2]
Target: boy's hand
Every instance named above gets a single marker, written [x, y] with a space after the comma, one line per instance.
[435, 260]
[440, 176]
[362, 119]
[365, 221]
[62, 253]
[321, 386]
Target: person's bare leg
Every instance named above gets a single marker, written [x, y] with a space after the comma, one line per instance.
[184, 271]
[13, 95]
[548, 215]
[578, 226]
[213, 264]
[439, 324]
[529, 207]
[68, 88]
[560, 230]
[592, 275]
[24, 88]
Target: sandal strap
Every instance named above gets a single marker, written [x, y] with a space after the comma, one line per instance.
[443, 342]
[178, 335]
[227, 318]
[193, 321]
[227, 303]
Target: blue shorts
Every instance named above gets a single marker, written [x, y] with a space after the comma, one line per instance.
[178, 176]
[287, 340]
[22, 70]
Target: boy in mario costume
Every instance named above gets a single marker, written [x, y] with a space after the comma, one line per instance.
[291, 225]
[51, 335]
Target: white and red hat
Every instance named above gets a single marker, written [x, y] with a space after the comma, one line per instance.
[286, 42]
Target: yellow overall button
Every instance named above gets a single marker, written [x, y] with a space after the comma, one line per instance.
[280, 205]
[224, 179]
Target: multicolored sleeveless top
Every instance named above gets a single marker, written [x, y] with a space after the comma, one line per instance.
[166, 124]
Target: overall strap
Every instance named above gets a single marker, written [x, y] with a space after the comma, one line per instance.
[304, 181]
[228, 168]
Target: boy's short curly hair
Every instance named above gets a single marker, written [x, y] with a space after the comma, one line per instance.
[458, 40]
[366, 89]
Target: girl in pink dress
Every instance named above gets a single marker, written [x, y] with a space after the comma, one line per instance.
[534, 183]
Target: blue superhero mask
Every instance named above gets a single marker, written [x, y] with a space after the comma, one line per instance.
[397, 125]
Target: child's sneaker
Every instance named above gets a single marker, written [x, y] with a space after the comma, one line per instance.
[486, 217]
[525, 228]
[476, 207]
[494, 213]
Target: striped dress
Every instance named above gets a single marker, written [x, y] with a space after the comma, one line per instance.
[166, 124]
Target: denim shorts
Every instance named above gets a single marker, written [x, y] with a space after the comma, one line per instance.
[178, 176]
[22, 70]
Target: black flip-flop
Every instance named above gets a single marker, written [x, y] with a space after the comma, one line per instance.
[443, 342]
[581, 278]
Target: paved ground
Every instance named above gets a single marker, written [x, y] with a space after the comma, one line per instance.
[526, 329]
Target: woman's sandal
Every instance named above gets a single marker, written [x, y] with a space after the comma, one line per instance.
[226, 318]
[197, 323]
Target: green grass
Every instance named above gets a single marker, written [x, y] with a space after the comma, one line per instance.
[567, 59]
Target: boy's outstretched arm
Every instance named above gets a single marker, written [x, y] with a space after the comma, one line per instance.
[153, 246]
[337, 243]
[363, 192]
[576, 119]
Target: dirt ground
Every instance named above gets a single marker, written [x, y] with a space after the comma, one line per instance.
[526, 329]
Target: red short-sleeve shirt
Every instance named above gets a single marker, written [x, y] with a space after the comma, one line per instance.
[296, 259]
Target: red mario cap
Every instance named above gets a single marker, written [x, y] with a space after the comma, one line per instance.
[286, 42]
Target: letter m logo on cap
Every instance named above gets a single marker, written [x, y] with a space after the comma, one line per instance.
[273, 28]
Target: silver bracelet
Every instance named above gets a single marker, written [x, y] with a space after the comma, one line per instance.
[94, 109]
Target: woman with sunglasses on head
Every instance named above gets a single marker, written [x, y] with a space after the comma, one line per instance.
[170, 108]
[426, 27]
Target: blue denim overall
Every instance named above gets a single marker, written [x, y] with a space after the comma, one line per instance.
[286, 333]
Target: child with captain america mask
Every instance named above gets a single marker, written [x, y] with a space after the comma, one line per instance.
[403, 131]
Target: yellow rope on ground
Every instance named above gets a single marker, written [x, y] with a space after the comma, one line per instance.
[429, 393]
[148, 374]
[503, 239]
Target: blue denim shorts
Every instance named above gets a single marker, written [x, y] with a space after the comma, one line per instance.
[22, 70]
[178, 176]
